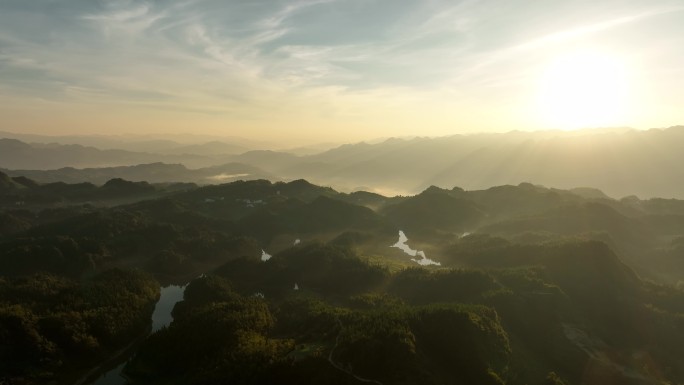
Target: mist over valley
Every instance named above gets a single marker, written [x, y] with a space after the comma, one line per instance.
[341, 192]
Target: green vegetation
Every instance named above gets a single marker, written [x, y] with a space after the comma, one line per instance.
[218, 334]
[51, 326]
[536, 286]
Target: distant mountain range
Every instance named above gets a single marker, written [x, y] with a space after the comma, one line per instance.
[138, 143]
[15, 154]
[645, 163]
[618, 162]
[152, 172]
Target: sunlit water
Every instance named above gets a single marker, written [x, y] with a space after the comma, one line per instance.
[265, 256]
[161, 317]
[224, 176]
[423, 261]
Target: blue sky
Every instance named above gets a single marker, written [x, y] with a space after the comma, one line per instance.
[321, 69]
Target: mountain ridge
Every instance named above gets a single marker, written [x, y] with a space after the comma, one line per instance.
[618, 162]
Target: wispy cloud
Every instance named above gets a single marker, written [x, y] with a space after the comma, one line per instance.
[586, 30]
[275, 20]
[323, 57]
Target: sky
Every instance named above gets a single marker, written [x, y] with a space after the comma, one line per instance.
[343, 70]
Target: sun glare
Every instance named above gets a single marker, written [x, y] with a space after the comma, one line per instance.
[583, 89]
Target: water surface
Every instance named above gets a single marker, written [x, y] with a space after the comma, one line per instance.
[423, 261]
[161, 317]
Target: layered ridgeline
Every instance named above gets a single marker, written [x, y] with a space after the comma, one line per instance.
[619, 162]
[294, 282]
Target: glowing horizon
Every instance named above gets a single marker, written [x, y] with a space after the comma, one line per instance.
[326, 70]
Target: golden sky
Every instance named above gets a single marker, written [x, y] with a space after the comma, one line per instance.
[343, 70]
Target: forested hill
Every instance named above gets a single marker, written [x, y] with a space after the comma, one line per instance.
[515, 284]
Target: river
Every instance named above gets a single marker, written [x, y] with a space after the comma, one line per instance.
[161, 317]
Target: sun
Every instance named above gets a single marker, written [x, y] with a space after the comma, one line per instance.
[583, 89]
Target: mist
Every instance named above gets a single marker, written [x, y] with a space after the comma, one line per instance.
[614, 161]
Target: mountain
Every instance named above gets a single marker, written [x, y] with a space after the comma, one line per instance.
[618, 162]
[105, 142]
[622, 162]
[152, 172]
[207, 149]
[266, 159]
[150, 143]
[6, 183]
[435, 208]
[15, 154]
[24, 193]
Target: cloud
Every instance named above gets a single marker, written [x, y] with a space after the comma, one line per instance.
[259, 59]
[586, 30]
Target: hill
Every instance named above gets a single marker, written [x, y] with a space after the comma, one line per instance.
[291, 281]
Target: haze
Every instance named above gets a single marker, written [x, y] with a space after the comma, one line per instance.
[314, 71]
[341, 192]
